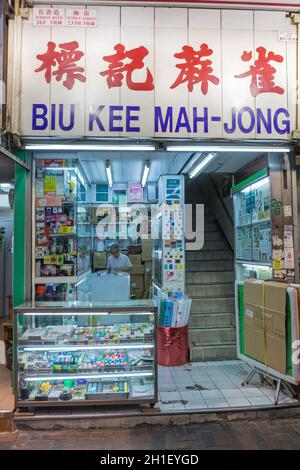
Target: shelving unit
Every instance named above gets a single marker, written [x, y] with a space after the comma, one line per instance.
[62, 250]
[76, 355]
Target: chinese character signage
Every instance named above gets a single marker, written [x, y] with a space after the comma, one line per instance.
[164, 72]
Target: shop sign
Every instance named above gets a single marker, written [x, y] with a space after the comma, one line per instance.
[177, 73]
[76, 17]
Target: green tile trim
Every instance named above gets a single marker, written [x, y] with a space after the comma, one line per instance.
[242, 184]
[19, 232]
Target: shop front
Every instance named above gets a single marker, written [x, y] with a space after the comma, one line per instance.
[132, 119]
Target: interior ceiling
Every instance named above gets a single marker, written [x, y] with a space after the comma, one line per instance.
[7, 170]
[128, 166]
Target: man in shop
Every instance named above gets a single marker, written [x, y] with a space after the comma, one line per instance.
[118, 262]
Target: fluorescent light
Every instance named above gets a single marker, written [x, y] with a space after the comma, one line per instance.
[90, 147]
[256, 185]
[202, 164]
[108, 173]
[87, 348]
[225, 148]
[5, 187]
[87, 376]
[146, 172]
[257, 265]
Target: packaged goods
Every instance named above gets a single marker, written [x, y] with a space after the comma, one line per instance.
[135, 259]
[99, 260]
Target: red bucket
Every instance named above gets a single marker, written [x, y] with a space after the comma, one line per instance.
[172, 345]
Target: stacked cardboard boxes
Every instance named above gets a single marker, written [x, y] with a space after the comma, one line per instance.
[265, 323]
[141, 274]
[99, 260]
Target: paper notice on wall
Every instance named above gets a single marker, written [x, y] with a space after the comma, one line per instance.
[78, 17]
[45, 16]
[50, 184]
[289, 260]
[287, 210]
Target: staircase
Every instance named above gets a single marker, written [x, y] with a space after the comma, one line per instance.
[210, 283]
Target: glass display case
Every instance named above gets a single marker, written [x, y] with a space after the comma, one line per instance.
[253, 229]
[83, 354]
[61, 224]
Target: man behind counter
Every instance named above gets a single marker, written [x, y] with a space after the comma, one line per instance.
[118, 262]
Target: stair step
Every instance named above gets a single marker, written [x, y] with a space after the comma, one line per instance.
[220, 265]
[212, 335]
[213, 236]
[211, 277]
[210, 290]
[213, 352]
[204, 320]
[211, 226]
[214, 245]
[208, 255]
[213, 304]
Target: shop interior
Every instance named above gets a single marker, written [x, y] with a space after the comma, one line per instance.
[85, 201]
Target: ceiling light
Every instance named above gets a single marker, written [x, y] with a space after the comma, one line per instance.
[90, 147]
[5, 187]
[108, 172]
[146, 172]
[225, 148]
[202, 164]
[256, 185]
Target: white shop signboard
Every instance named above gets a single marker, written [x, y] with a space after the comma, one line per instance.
[158, 72]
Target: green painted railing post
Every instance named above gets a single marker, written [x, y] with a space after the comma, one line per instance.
[19, 258]
[19, 246]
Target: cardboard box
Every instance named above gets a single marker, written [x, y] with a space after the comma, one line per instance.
[254, 337]
[135, 259]
[134, 249]
[137, 281]
[148, 282]
[275, 325]
[99, 260]
[137, 293]
[265, 323]
[137, 269]
[148, 268]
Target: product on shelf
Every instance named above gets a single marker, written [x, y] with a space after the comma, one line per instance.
[73, 362]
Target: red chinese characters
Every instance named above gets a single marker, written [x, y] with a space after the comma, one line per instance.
[262, 72]
[64, 63]
[195, 69]
[119, 65]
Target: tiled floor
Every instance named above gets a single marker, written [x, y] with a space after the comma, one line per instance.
[211, 385]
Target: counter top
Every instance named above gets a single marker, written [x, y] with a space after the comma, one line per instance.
[71, 307]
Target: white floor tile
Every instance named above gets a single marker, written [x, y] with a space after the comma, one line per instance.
[252, 392]
[172, 407]
[191, 395]
[211, 394]
[170, 396]
[195, 405]
[238, 402]
[257, 401]
[268, 391]
[232, 393]
[216, 403]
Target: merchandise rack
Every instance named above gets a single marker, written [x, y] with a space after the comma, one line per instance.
[99, 314]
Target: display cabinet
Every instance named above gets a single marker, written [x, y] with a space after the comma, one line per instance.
[264, 219]
[61, 224]
[253, 229]
[84, 354]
